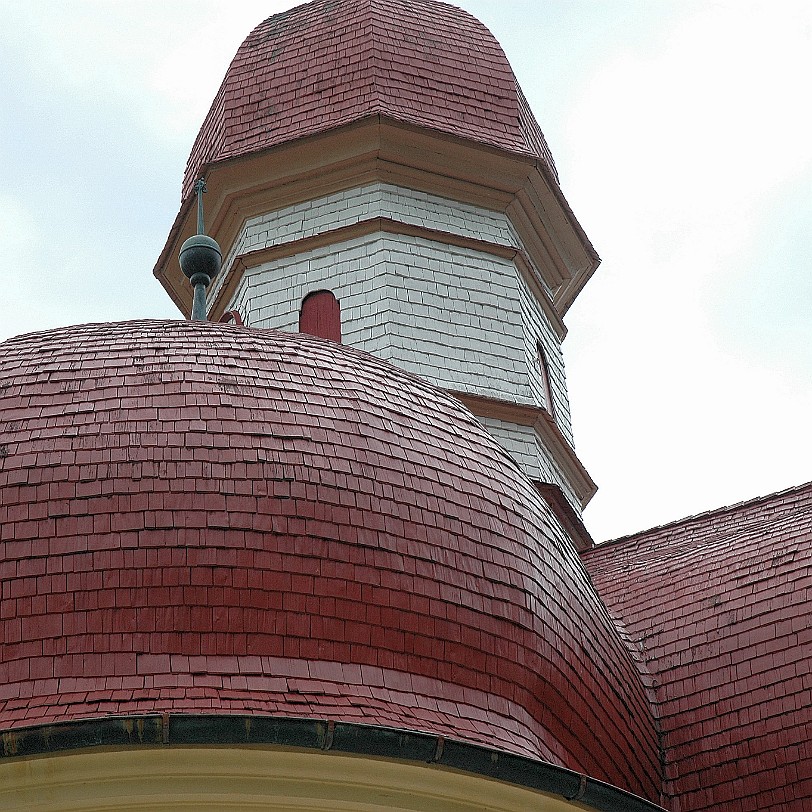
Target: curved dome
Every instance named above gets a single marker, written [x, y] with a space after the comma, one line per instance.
[203, 518]
[332, 62]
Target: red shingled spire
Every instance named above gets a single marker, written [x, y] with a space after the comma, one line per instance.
[332, 62]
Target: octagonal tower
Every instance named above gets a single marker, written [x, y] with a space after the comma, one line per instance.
[384, 152]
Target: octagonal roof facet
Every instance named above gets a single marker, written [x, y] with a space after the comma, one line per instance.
[332, 62]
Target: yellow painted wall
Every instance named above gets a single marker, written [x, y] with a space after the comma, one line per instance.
[232, 779]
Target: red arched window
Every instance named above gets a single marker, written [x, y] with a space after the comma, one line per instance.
[320, 315]
[231, 316]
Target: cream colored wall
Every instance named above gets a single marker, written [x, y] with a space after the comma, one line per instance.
[232, 779]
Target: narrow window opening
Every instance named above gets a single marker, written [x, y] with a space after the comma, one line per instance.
[320, 315]
[544, 373]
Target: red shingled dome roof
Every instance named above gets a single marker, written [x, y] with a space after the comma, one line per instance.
[332, 62]
[207, 518]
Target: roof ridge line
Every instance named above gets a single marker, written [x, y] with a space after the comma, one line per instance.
[376, 59]
[695, 517]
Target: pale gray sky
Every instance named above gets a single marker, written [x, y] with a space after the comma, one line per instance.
[681, 130]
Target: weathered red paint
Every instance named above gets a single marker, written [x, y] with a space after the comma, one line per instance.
[718, 604]
[332, 62]
[198, 517]
[320, 315]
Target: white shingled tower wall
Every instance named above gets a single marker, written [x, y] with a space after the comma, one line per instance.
[406, 175]
[463, 318]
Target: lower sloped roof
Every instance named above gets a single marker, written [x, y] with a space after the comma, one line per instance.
[719, 606]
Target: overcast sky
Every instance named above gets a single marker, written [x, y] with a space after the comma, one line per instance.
[682, 133]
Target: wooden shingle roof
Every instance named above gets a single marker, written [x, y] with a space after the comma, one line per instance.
[719, 607]
[332, 62]
[203, 518]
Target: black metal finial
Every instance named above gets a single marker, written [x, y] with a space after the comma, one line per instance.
[200, 258]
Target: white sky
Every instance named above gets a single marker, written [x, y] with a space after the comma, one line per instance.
[682, 131]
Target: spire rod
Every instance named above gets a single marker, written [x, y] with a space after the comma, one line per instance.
[200, 187]
[200, 258]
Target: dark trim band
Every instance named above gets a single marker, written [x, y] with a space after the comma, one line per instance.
[160, 730]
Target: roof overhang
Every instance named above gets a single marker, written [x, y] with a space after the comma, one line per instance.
[382, 149]
[563, 454]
